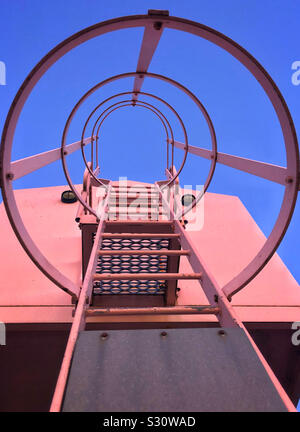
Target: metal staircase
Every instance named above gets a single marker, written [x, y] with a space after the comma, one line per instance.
[138, 260]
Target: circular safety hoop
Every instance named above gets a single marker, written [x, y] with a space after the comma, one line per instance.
[126, 75]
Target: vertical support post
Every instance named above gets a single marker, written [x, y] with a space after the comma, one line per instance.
[152, 35]
[216, 297]
[173, 267]
[79, 317]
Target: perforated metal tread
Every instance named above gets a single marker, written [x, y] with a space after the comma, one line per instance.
[132, 264]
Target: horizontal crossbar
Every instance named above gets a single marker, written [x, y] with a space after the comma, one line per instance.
[166, 310]
[22, 167]
[146, 276]
[139, 235]
[264, 170]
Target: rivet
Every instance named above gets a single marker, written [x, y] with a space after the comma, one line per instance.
[222, 333]
[289, 179]
[10, 176]
[104, 336]
[157, 25]
[164, 334]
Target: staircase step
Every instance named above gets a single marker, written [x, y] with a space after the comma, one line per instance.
[139, 226]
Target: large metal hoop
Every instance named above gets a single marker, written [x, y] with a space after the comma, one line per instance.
[184, 211]
[126, 75]
[165, 122]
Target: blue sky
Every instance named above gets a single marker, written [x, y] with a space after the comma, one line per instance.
[132, 142]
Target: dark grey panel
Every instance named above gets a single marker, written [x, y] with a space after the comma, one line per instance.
[187, 370]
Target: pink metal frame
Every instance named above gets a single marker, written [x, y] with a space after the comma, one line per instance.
[79, 318]
[264, 170]
[172, 177]
[155, 22]
[91, 114]
[151, 75]
[125, 103]
[216, 297]
[155, 310]
[151, 107]
[27, 165]
[151, 38]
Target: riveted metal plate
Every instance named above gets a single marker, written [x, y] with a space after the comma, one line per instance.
[185, 370]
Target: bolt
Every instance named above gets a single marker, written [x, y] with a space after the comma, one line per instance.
[222, 333]
[104, 336]
[157, 25]
[141, 76]
[164, 334]
[65, 152]
[289, 179]
[10, 176]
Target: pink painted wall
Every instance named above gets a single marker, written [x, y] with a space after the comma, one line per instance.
[227, 241]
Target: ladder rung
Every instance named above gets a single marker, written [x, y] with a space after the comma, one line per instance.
[135, 190]
[143, 198]
[139, 235]
[134, 187]
[135, 213]
[137, 206]
[166, 310]
[144, 252]
[145, 276]
[134, 194]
